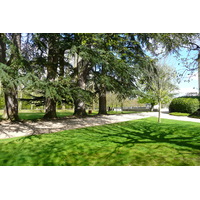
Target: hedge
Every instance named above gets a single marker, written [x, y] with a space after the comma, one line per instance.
[184, 105]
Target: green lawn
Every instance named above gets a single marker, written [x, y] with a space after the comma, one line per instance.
[179, 114]
[36, 115]
[141, 142]
[39, 115]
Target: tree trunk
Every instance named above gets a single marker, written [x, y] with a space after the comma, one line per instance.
[11, 103]
[121, 106]
[20, 96]
[50, 103]
[50, 109]
[198, 60]
[152, 106]
[102, 102]
[159, 112]
[2, 50]
[79, 99]
[11, 94]
[79, 109]
[3, 60]
[63, 106]
[61, 59]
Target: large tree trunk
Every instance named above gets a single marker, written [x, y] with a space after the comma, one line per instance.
[11, 103]
[79, 99]
[102, 95]
[50, 109]
[3, 60]
[2, 50]
[50, 103]
[61, 59]
[102, 102]
[79, 108]
[79, 103]
[11, 93]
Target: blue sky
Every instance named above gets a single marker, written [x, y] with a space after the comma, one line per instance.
[187, 83]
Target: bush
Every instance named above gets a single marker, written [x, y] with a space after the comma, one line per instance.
[184, 105]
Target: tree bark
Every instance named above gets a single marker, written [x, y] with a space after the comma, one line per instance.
[2, 50]
[102, 94]
[50, 109]
[159, 112]
[50, 103]
[198, 60]
[79, 108]
[11, 93]
[102, 102]
[11, 103]
[61, 60]
[3, 60]
[152, 106]
[79, 99]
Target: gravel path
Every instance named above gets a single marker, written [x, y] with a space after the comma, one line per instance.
[8, 129]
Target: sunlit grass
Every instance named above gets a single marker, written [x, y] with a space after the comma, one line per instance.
[122, 112]
[38, 114]
[140, 142]
[179, 114]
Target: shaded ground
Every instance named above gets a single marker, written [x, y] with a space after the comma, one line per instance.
[8, 129]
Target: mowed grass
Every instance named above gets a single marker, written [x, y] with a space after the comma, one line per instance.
[141, 142]
[179, 114]
[37, 115]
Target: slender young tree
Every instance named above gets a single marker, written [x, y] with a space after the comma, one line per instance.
[160, 83]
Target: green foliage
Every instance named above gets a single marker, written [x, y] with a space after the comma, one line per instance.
[148, 97]
[184, 105]
[134, 143]
[2, 102]
[157, 84]
[43, 62]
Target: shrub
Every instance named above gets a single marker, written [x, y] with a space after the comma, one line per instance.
[184, 105]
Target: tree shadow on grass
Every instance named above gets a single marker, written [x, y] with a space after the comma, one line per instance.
[180, 135]
[128, 143]
[183, 141]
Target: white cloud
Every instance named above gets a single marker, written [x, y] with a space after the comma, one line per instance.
[186, 90]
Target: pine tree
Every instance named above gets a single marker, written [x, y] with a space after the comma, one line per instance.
[10, 72]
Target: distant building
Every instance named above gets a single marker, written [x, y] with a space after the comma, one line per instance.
[192, 94]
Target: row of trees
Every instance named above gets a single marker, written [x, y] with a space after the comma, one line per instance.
[77, 67]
